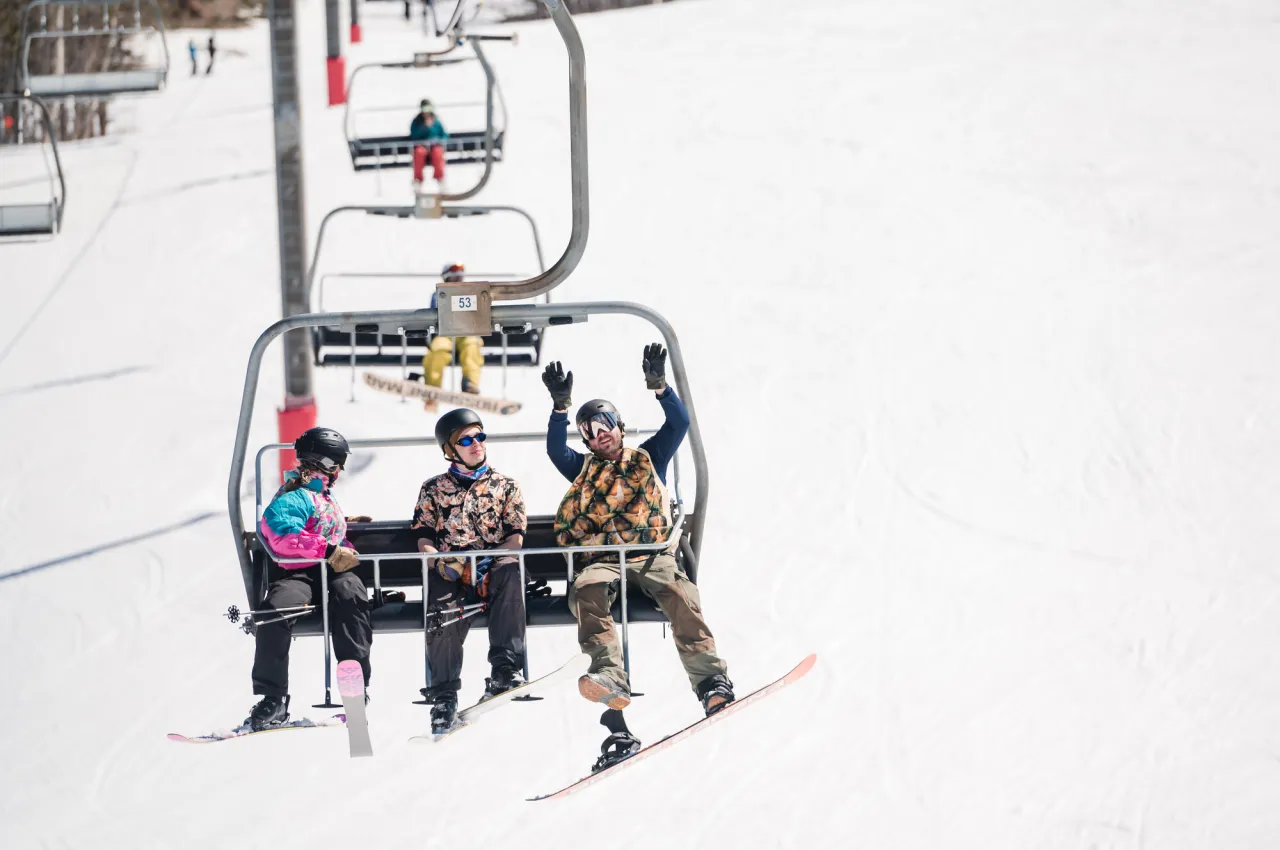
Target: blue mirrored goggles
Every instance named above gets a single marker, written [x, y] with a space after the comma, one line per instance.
[598, 424]
[472, 439]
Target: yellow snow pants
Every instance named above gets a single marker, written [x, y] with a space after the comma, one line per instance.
[440, 354]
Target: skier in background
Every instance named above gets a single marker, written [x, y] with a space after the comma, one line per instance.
[191, 49]
[213, 49]
[471, 507]
[304, 521]
[593, 514]
[440, 351]
[426, 127]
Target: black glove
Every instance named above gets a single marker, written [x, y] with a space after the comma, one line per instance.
[655, 366]
[558, 384]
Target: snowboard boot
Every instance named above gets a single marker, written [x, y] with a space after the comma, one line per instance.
[270, 711]
[444, 714]
[597, 688]
[503, 679]
[468, 387]
[715, 692]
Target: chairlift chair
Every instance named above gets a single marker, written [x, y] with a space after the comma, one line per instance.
[483, 146]
[32, 221]
[334, 346]
[100, 83]
[387, 552]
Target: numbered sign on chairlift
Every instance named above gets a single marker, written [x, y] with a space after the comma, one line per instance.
[463, 303]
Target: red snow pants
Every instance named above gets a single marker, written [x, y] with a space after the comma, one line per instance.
[420, 157]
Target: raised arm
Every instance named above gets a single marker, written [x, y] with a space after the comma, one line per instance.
[560, 385]
[663, 445]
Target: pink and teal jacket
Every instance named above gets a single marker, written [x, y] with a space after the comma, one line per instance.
[302, 523]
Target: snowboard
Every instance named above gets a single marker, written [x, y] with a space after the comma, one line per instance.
[795, 675]
[417, 389]
[572, 669]
[351, 686]
[246, 731]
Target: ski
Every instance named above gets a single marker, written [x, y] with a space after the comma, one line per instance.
[417, 389]
[796, 674]
[351, 686]
[246, 731]
[571, 669]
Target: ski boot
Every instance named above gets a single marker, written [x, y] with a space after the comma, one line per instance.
[619, 745]
[270, 711]
[597, 688]
[503, 679]
[468, 387]
[444, 714]
[715, 692]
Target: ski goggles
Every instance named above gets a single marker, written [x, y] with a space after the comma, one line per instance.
[600, 423]
[325, 464]
[472, 439]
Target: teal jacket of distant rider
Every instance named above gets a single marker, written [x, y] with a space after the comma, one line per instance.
[419, 131]
[302, 523]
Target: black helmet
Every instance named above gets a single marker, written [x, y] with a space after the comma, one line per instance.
[453, 422]
[598, 405]
[322, 448]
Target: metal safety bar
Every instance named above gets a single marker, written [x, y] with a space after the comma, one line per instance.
[409, 212]
[472, 556]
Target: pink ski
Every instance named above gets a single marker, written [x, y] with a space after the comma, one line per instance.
[351, 686]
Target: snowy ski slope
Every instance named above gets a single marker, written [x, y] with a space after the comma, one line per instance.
[979, 304]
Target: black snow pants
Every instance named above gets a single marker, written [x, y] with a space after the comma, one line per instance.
[348, 625]
[506, 626]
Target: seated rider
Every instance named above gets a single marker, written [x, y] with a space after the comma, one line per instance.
[618, 496]
[427, 128]
[304, 521]
[469, 507]
[440, 351]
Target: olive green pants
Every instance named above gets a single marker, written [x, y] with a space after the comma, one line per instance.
[593, 593]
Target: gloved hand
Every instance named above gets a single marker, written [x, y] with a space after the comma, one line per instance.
[479, 583]
[359, 518]
[558, 384]
[342, 558]
[655, 366]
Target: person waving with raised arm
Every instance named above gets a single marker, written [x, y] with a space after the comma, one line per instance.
[618, 495]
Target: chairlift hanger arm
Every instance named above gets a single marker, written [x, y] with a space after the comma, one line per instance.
[573, 252]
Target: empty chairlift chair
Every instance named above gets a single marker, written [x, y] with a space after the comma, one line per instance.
[29, 160]
[46, 22]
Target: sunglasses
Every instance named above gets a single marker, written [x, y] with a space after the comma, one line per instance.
[601, 423]
[472, 439]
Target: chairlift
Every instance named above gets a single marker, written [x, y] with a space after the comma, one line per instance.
[389, 556]
[28, 221]
[482, 146]
[335, 347]
[100, 83]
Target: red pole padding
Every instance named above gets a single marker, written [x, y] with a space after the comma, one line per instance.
[337, 67]
[355, 33]
[292, 422]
